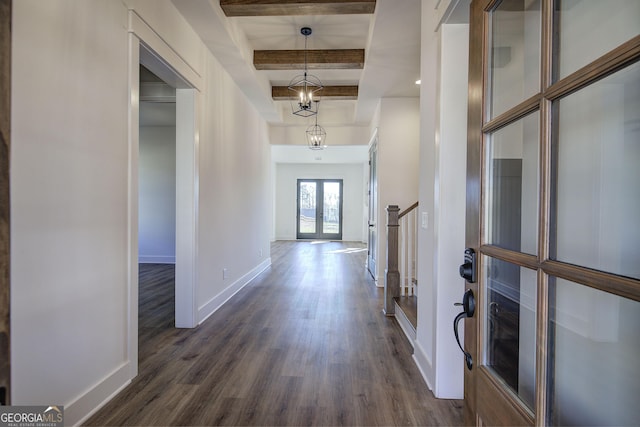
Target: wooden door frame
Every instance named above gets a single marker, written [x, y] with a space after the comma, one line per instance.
[473, 193]
[5, 144]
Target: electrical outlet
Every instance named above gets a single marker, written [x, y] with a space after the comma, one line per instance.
[225, 273]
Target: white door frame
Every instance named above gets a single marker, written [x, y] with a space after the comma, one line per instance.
[372, 215]
[148, 49]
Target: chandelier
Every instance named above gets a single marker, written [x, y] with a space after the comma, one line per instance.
[316, 135]
[303, 88]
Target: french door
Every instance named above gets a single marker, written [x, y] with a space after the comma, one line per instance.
[553, 195]
[319, 209]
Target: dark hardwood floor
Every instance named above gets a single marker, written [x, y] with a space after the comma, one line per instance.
[304, 344]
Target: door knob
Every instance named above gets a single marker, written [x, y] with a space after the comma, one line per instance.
[469, 308]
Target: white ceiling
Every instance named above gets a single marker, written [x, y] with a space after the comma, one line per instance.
[390, 37]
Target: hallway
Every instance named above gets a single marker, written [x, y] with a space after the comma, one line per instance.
[305, 343]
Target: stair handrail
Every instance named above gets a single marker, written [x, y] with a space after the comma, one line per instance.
[409, 209]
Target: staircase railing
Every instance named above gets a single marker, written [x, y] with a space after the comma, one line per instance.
[400, 274]
[408, 246]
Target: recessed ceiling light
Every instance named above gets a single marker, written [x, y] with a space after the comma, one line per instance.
[418, 82]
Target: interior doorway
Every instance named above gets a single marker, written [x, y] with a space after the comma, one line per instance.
[156, 204]
[185, 184]
[319, 209]
[373, 210]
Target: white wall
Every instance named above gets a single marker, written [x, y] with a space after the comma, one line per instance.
[442, 199]
[68, 198]
[353, 192]
[69, 192]
[235, 191]
[398, 125]
[157, 189]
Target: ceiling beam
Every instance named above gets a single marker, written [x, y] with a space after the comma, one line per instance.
[296, 7]
[318, 59]
[335, 93]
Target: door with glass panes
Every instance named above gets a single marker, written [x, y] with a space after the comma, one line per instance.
[553, 202]
[319, 209]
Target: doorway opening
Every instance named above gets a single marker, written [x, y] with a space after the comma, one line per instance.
[156, 204]
[372, 254]
[319, 209]
[180, 236]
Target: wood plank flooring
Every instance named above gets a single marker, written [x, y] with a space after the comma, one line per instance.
[305, 343]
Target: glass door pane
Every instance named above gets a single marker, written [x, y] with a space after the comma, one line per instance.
[515, 54]
[588, 29]
[598, 178]
[510, 325]
[593, 358]
[511, 186]
[331, 210]
[307, 207]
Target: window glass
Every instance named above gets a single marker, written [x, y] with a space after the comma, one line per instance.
[511, 211]
[598, 178]
[593, 358]
[510, 325]
[587, 29]
[307, 207]
[515, 54]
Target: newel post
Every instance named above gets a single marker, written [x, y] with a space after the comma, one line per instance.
[392, 275]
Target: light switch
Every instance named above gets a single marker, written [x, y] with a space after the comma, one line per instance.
[425, 220]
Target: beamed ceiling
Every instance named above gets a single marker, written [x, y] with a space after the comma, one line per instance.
[295, 7]
[361, 50]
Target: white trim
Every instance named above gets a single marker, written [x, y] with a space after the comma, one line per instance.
[216, 302]
[405, 325]
[162, 51]
[92, 400]
[421, 358]
[156, 259]
[132, 204]
[186, 207]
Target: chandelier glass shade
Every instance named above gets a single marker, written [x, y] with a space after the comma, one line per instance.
[303, 89]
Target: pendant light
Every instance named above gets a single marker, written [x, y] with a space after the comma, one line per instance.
[303, 88]
[316, 134]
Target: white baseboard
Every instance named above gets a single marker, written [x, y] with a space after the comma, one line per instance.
[286, 238]
[423, 363]
[95, 398]
[216, 302]
[156, 259]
